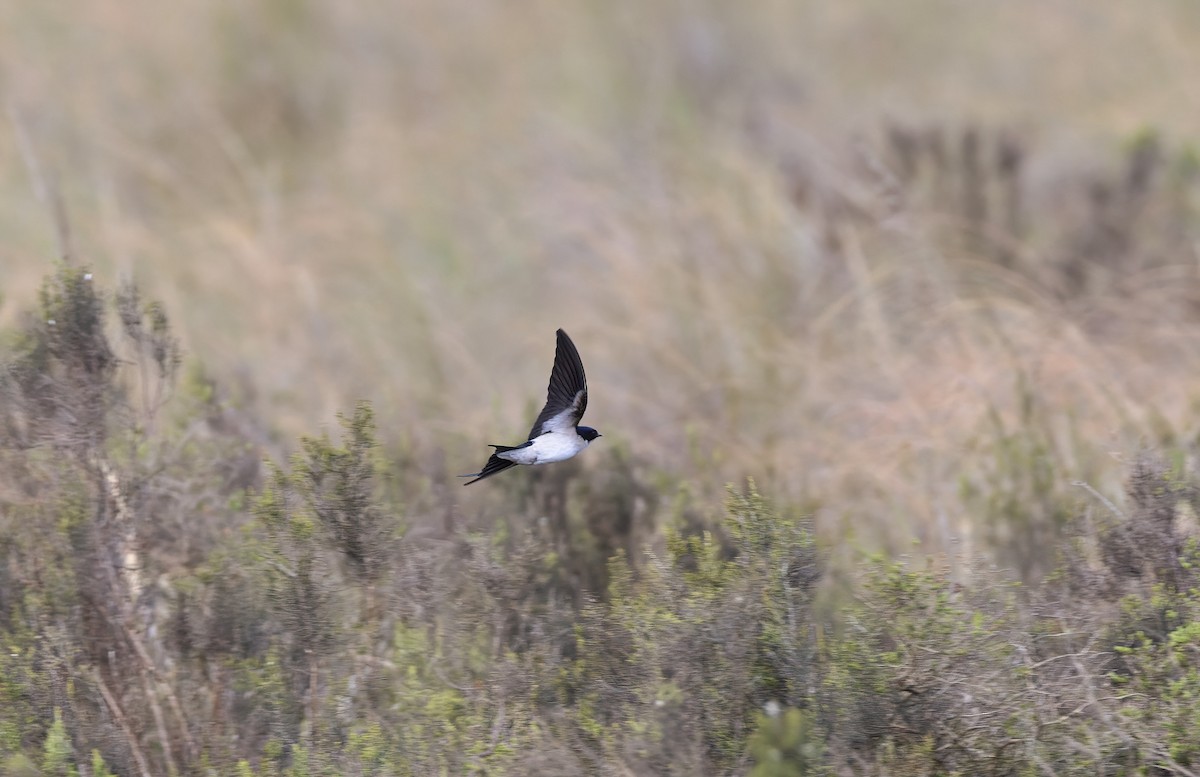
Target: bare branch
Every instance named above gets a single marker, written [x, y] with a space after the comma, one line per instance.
[122, 722]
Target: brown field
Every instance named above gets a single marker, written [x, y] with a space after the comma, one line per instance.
[401, 202]
[890, 260]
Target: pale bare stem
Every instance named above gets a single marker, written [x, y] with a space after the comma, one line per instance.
[1165, 761]
[1074, 656]
[437, 671]
[150, 678]
[281, 569]
[159, 722]
[1112, 508]
[1091, 751]
[378, 663]
[1068, 716]
[153, 681]
[129, 581]
[189, 744]
[131, 563]
[122, 722]
[1114, 726]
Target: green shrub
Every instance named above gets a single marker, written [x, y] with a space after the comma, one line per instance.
[326, 629]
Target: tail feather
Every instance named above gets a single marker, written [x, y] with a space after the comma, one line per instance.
[495, 464]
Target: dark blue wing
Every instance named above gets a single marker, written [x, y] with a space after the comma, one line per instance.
[566, 397]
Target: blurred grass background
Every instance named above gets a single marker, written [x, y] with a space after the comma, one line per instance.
[720, 202]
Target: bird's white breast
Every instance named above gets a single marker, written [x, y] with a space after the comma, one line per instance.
[547, 449]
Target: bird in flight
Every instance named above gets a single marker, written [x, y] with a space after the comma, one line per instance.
[556, 434]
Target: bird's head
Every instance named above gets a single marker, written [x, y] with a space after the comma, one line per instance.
[587, 433]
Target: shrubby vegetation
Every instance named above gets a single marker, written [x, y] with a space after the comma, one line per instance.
[920, 280]
[168, 607]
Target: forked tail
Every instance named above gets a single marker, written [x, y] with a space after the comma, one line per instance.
[495, 464]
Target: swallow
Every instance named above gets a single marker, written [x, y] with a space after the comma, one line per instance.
[556, 434]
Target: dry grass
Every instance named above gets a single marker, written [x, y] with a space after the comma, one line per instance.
[401, 202]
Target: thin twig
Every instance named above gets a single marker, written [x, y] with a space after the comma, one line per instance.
[1101, 497]
[160, 722]
[119, 716]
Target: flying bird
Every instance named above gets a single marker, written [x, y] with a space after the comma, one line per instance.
[556, 434]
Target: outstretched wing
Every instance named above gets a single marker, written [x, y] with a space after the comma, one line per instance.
[566, 397]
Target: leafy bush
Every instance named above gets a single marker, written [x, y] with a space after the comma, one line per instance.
[157, 621]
